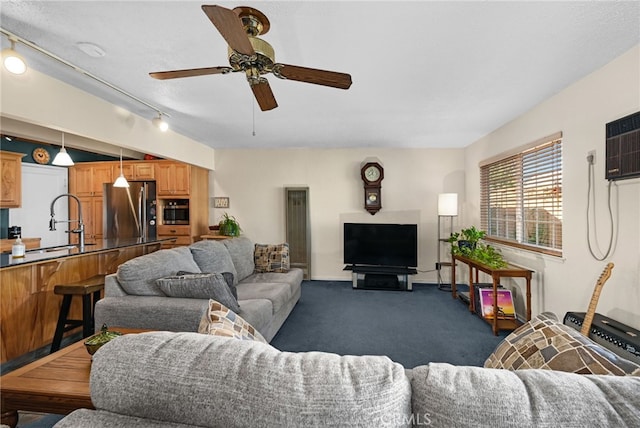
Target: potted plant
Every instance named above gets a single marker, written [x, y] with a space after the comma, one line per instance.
[229, 226]
[467, 243]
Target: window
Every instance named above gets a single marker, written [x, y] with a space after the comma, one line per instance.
[521, 197]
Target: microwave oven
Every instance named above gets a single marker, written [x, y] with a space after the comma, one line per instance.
[176, 212]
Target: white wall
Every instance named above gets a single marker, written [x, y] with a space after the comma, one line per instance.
[35, 98]
[580, 112]
[254, 180]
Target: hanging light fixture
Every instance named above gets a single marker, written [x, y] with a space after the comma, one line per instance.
[122, 180]
[62, 158]
[12, 61]
[160, 123]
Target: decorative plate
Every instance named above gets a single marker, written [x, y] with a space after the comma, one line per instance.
[41, 156]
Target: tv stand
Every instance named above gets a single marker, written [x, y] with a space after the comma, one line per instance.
[381, 277]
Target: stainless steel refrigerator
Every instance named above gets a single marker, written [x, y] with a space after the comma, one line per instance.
[130, 212]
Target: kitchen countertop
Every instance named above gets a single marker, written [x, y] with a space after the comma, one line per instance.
[61, 251]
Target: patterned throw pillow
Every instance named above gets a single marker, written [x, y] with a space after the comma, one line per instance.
[200, 286]
[218, 320]
[545, 343]
[272, 258]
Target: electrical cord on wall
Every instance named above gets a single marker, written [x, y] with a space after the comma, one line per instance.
[590, 195]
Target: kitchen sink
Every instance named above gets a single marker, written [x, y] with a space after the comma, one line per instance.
[56, 248]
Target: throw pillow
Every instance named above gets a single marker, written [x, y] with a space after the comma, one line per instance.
[546, 343]
[228, 277]
[213, 256]
[272, 258]
[199, 286]
[218, 320]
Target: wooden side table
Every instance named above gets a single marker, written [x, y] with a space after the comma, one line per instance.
[510, 271]
[57, 383]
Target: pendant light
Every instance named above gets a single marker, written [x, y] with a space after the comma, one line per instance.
[122, 180]
[12, 61]
[62, 158]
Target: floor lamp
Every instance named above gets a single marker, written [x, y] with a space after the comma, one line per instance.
[447, 207]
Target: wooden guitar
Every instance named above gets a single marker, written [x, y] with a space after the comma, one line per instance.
[588, 317]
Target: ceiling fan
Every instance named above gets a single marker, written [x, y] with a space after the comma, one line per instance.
[240, 27]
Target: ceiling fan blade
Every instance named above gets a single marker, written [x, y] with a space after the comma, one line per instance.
[264, 95]
[312, 75]
[230, 26]
[173, 74]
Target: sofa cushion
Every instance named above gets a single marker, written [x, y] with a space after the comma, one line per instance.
[271, 258]
[200, 286]
[546, 343]
[294, 278]
[219, 320]
[278, 293]
[241, 251]
[212, 256]
[444, 395]
[258, 313]
[218, 381]
[138, 276]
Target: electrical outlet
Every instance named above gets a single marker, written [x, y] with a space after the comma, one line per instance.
[591, 157]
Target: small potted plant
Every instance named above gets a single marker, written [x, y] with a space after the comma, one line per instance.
[229, 226]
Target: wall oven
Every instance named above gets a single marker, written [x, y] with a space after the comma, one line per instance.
[176, 211]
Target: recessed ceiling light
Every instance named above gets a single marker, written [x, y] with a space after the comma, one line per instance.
[90, 49]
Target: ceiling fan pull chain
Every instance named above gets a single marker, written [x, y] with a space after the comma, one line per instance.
[253, 113]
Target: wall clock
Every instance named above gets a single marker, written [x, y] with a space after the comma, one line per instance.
[372, 174]
[41, 156]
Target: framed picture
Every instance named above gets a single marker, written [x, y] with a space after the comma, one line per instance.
[505, 303]
[219, 202]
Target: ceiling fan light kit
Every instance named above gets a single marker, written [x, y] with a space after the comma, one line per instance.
[240, 27]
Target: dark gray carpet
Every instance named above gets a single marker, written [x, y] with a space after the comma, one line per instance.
[412, 328]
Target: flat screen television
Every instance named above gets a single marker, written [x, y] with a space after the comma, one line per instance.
[381, 244]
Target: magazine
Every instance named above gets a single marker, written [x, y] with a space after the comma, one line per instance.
[506, 308]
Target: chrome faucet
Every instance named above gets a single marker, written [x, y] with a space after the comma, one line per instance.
[79, 229]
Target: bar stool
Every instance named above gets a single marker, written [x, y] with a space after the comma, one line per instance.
[85, 288]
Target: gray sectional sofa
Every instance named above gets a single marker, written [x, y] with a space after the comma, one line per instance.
[191, 379]
[133, 298]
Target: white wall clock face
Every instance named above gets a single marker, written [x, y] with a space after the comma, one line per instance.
[372, 173]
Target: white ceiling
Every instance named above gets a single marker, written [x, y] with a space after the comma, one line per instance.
[425, 73]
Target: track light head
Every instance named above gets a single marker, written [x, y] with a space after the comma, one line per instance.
[12, 61]
[160, 123]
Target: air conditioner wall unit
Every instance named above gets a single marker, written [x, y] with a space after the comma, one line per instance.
[623, 148]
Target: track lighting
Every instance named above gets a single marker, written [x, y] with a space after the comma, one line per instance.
[15, 64]
[12, 61]
[62, 158]
[122, 180]
[160, 123]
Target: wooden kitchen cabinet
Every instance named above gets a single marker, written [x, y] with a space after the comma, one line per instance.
[87, 179]
[92, 216]
[182, 235]
[11, 183]
[173, 178]
[135, 171]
